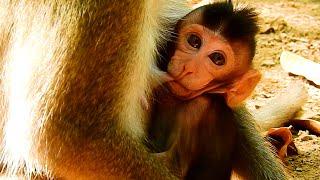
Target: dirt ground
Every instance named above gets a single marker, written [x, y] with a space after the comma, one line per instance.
[293, 26]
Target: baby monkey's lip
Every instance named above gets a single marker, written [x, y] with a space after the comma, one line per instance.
[184, 93]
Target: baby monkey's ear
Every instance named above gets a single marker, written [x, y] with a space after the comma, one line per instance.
[242, 88]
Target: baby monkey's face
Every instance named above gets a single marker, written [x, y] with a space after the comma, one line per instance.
[203, 62]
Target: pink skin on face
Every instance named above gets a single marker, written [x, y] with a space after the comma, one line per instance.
[191, 68]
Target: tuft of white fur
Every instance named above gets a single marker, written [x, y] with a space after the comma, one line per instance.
[202, 3]
[158, 18]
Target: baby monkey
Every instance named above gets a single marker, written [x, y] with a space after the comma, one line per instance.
[196, 121]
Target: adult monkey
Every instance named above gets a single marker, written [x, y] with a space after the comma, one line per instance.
[72, 77]
[71, 86]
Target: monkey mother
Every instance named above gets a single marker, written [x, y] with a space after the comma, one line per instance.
[72, 77]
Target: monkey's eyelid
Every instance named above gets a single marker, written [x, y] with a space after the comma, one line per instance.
[218, 58]
[194, 40]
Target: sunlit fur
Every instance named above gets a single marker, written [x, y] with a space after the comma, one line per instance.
[72, 72]
[72, 75]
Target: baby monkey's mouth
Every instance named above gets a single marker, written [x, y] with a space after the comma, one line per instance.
[184, 93]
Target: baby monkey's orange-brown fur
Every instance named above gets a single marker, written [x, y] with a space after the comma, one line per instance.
[195, 126]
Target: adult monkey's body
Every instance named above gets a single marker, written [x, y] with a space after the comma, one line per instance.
[71, 86]
[72, 77]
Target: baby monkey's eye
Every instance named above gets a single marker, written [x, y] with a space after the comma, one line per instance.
[194, 41]
[218, 58]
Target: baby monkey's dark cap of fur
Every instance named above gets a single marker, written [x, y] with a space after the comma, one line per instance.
[233, 23]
